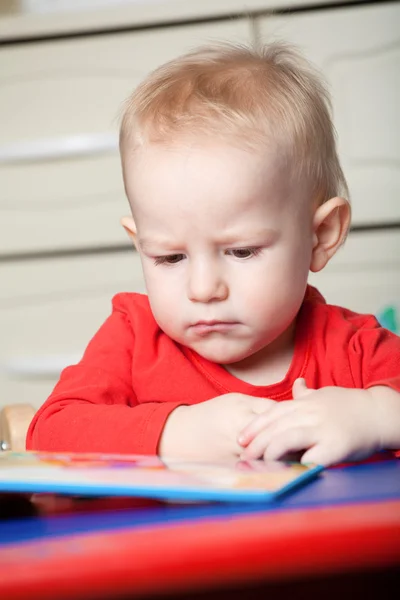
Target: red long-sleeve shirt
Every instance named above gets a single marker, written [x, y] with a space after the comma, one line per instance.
[132, 375]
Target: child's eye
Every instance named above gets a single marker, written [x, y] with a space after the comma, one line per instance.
[169, 259]
[244, 252]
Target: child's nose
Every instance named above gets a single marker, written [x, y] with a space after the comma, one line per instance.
[206, 284]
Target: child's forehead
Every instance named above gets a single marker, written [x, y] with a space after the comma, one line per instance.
[191, 156]
[222, 201]
[201, 170]
[216, 176]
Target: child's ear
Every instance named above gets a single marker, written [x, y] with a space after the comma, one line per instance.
[331, 223]
[129, 225]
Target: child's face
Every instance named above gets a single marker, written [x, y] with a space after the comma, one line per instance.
[225, 243]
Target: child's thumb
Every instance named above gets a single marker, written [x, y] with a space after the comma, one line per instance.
[300, 389]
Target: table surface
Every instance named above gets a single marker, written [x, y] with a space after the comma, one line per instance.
[346, 520]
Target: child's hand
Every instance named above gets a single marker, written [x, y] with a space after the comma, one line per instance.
[210, 430]
[331, 425]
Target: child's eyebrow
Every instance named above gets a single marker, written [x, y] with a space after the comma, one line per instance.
[257, 236]
[145, 242]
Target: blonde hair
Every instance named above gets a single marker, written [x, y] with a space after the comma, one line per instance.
[254, 96]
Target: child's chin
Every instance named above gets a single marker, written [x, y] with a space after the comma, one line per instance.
[222, 356]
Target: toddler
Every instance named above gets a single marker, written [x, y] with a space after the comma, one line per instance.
[236, 192]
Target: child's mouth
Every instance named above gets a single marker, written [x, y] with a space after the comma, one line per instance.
[205, 327]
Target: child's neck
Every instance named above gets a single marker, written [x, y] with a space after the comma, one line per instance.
[270, 364]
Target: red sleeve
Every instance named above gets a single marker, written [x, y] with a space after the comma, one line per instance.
[375, 358]
[374, 355]
[93, 407]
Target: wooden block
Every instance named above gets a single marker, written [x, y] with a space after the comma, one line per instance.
[14, 423]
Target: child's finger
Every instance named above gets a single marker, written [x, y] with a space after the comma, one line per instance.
[263, 420]
[300, 389]
[257, 446]
[292, 440]
[283, 429]
[321, 455]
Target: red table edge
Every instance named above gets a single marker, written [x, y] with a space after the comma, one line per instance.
[271, 546]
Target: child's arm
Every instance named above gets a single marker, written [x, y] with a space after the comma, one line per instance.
[93, 408]
[334, 424]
